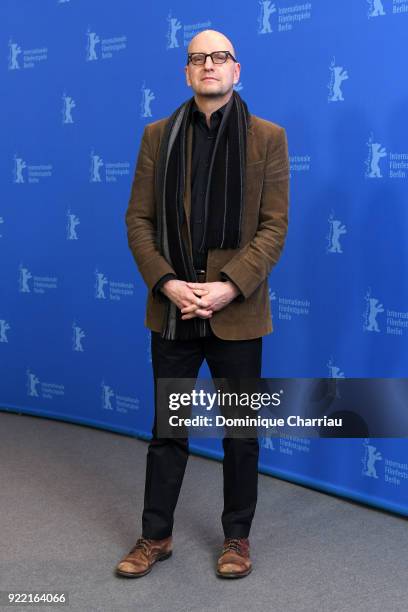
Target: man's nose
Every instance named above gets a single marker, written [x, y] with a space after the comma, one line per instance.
[209, 64]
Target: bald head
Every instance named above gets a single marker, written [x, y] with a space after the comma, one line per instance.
[212, 82]
[210, 40]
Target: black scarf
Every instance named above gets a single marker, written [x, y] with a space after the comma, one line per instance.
[224, 199]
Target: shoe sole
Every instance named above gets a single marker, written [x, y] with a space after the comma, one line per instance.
[233, 575]
[162, 557]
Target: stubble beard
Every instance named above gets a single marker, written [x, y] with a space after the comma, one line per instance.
[220, 93]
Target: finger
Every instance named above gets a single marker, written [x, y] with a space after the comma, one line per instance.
[201, 303]
[196, 285]
[196, 293]
[189, 301]
[195, 300]
[189, 308]
[201, 292]
[193, 315]
[204, 314]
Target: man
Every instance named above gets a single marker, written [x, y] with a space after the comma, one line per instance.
[207, 221]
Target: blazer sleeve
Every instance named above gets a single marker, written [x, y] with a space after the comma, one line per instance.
[141, 218]
[253, 263]
[160, 283]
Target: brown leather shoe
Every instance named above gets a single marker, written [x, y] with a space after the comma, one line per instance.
[234, 561]
[143, 556]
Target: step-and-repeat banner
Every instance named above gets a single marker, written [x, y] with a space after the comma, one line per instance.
[79, 81]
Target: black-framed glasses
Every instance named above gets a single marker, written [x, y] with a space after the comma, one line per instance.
[217, 57]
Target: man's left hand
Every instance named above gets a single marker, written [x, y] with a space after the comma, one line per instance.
[219, 295]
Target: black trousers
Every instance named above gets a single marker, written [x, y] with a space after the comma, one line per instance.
[167, 457]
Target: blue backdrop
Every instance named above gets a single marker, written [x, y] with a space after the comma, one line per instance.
[79, 83]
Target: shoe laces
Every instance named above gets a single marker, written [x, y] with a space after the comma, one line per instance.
[232, 544]
[142, 544]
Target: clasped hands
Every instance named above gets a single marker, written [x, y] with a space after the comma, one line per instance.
[199, 299]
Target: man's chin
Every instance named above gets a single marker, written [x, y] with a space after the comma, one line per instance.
[212, 94]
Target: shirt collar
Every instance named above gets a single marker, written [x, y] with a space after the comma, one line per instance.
[197, 113]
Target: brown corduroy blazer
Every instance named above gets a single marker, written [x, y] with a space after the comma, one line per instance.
[264, 227]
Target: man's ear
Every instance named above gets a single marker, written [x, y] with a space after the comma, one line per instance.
[237, 73]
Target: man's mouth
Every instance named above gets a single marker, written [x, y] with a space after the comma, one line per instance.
[209, 79]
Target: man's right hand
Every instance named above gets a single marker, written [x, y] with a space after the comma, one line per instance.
[182, 296]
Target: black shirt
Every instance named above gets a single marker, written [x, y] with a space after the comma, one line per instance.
[203, 145]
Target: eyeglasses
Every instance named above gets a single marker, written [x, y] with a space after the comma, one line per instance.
[218, 57]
